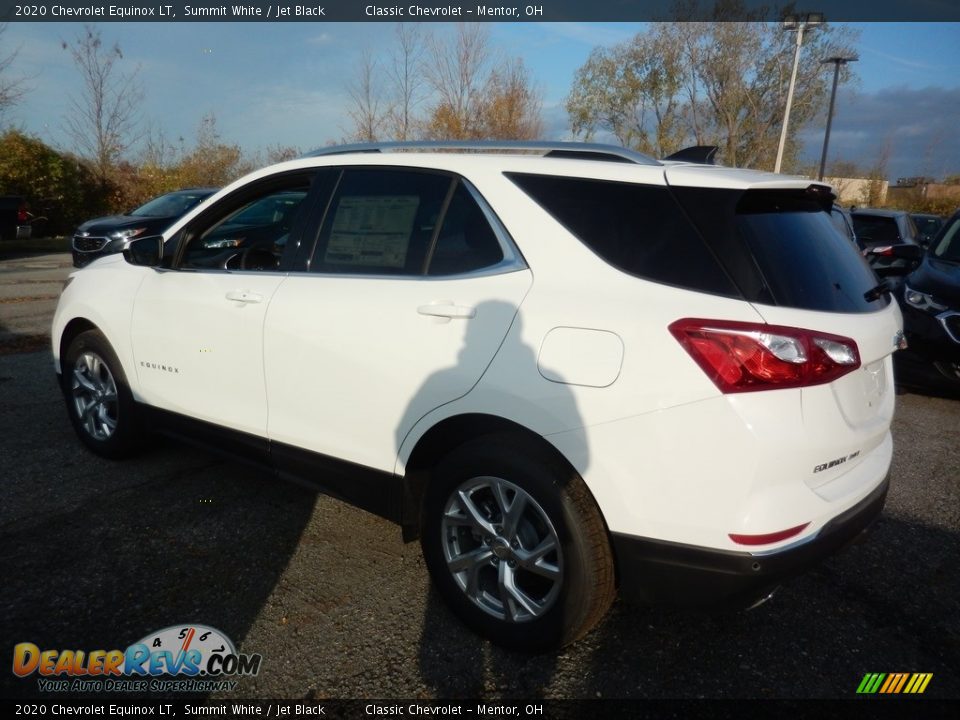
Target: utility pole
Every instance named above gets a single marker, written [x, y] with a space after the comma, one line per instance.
[837, 61]
[797, 24]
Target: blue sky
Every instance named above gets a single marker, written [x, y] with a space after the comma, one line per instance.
[284, 84]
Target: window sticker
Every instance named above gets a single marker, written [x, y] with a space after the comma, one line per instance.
[372, 230]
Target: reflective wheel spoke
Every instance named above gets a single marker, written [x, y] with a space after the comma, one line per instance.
[94, 396]
[501, 549]
[473, 512]
[469, 560]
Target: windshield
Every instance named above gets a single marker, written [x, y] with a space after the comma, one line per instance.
[927, 226]
[949, 246]
[170, 205]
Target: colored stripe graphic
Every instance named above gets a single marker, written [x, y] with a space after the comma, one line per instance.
[870, 683]
[894, 683]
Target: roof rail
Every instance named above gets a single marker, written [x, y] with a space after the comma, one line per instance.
[572, 150]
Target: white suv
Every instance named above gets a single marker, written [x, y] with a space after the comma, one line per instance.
[565, 368]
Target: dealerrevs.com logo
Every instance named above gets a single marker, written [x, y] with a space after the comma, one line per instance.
[184, 658]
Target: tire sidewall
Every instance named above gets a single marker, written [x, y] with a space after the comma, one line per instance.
[544, 480]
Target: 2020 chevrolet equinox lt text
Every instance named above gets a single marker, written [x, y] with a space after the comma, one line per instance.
[564, 368]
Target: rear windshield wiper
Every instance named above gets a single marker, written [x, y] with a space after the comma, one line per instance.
[875, 293]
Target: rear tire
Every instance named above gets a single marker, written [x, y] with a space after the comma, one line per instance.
[99, 402]
[516, 545]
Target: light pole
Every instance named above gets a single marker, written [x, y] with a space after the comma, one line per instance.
[837, 61]
[794, 23]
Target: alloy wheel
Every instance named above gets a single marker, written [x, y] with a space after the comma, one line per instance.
[94, 394]
[502, 549]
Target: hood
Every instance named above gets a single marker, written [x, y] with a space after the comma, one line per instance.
[103, 226]
[938, 278]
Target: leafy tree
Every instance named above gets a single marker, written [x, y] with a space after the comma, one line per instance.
[510, 105]
[211, 162]
[57, 186]
[718, 83]
[632, 91]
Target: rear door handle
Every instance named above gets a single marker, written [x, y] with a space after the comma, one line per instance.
[448, 310]
[244, 296]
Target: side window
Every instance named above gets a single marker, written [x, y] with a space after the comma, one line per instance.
[466, 241]
[639, 229]
[381, 222]
[248, 231]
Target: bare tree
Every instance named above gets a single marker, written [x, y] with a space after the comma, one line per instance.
[466, 93]
[405, 73]
[367, 105]
[104, 119]
[457, 74]
[12, 89]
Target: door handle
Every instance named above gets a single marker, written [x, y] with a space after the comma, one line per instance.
[244, 296]
[448, 310]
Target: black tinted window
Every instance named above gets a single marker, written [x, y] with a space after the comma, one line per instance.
[639, 229]
[466, 241]
[781, 248]
[876, 230]
[380, 222]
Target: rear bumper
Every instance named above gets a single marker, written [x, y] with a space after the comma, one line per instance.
[654, 571]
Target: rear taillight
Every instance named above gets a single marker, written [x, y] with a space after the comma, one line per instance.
[744, 357]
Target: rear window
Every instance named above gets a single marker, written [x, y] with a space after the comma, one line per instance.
[639, 229]
[876, 230]
[781, 248]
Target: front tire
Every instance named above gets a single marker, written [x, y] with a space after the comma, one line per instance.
[516, 545]
[99, 402]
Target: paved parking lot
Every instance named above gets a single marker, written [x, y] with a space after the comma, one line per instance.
[96, 554]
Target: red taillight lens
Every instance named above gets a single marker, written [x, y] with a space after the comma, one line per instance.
[744, 357]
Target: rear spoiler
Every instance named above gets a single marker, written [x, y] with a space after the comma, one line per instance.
[699, 154]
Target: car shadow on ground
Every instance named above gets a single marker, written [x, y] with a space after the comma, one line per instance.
[888, 604]
[113, 554]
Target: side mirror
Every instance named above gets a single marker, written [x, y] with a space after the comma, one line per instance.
[146, 251]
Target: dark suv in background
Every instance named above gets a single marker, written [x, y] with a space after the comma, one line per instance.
[930, 301]
[106, 235]
[884, 227]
